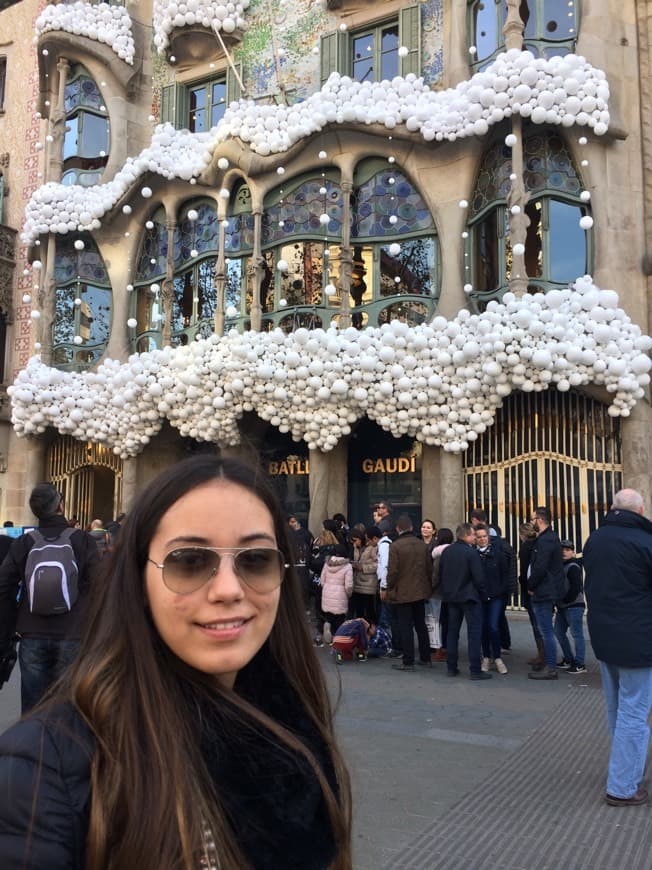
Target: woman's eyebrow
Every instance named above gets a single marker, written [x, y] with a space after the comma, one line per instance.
[201, 541]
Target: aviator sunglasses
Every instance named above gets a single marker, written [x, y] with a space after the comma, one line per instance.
[187, 569]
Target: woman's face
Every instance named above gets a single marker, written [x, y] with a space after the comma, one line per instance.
[427, 529]
[219, 627]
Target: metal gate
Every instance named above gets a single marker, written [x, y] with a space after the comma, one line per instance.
[89, 477]
[556, 449]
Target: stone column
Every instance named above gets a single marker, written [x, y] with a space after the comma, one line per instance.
[26, 463]
[255, 272]
[451, 496]
[167, 290]
[517, 199]
[430, 483]
[220, 280]
[54, 160]
[328, 485]
[346, 257]
[47, 299]
[637, 452]
[129, 482]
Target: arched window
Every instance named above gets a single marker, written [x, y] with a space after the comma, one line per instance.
[86, 139]
[395, 248]
[150, 273]
[550, 28]
[195, 256]
[557, 249]
[301, 250]
[82, 322]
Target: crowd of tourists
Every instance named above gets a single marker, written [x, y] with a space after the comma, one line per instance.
[370, 589]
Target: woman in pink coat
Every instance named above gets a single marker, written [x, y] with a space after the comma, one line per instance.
[336, 583]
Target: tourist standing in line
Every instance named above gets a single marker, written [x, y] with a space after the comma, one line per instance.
[462, 588]
[546, 584]
[408, 587]
[570, 613]
[618, 564]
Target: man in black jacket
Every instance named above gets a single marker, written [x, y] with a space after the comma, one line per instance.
[618, 586]
[48, 643]
[546, 585]
[463, 588]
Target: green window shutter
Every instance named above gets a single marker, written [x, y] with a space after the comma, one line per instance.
[174, 105]
[410, 37]
[335, 54]
[233, 90]
[167, 104]
[182, 107]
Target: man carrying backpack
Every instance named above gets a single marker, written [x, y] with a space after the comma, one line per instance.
[44, 584]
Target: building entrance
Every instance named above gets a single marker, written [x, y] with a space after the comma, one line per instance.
[383, 468]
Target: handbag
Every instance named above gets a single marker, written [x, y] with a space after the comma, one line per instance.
[8, 660]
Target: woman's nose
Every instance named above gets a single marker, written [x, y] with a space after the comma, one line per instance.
[224, 583]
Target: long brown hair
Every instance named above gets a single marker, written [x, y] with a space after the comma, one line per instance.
[152, 799]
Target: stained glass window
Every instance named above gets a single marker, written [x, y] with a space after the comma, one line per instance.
[296, 212]
[86, 133]
[82, 304]
[386, 195]
[152, 259]
[200, 235]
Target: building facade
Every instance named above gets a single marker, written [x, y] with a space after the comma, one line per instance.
[353, 240]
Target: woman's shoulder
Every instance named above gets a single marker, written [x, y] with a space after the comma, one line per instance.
[54, 737]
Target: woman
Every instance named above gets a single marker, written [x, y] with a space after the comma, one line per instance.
[195, 684]
[437, 608]
[528, 536]
[495, 567]
[365, 575]
[428, 533]
[325, 545]
[336, 583]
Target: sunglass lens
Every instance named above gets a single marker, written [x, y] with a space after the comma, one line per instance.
[189, 568]
[259, 566]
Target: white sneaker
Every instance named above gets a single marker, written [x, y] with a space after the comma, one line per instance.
[500, 666]
[484, 664]
[327, 636]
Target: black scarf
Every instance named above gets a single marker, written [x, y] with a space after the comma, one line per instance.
[270, 794]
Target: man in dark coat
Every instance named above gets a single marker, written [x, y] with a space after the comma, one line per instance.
[408, 587]
[48, 643]
[463, 589]
[546, 585]
[618, 587]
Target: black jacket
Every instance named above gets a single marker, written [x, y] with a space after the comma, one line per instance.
[19, 619]
[496, 567]
[461, 574]
[547, 578]
[618, 586]
[271, 797]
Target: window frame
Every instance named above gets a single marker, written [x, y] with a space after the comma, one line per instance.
[175, 97]
[3, 82]
[336, 54]
[539, 44]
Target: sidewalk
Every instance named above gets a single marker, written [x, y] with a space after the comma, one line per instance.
[506, 774]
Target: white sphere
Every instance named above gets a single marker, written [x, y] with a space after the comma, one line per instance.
[79, 245]
[586, 222]
[192, 215]
[146, 192]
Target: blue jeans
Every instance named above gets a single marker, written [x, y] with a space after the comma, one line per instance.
[573, 618]
[472, 612]
[491, 613]
[628, 697]
[42, 661]
[543, 614]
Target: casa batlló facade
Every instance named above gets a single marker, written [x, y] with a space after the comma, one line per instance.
[394, 251]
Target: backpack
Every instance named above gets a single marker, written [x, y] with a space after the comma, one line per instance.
[51, 574]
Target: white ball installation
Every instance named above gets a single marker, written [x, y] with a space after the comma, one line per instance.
[454, 373]
[216, 14]
[100, 22]
[469, 109]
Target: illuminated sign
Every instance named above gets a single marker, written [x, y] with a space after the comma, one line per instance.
[390, 465]
[289, 465]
